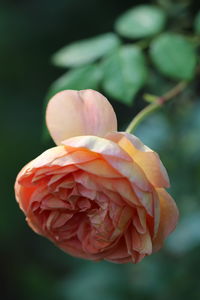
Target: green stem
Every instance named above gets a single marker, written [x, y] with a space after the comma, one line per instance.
[159, 101]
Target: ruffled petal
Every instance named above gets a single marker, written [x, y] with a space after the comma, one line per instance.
[23, 194]
[47, 157]
[168, 218]
[75, 113]
[147, 159]
[95, 144]
[119, 254]
[115, 156]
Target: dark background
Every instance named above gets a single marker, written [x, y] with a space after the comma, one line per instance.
[31, 267]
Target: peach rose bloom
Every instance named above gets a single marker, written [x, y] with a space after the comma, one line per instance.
[99, 194]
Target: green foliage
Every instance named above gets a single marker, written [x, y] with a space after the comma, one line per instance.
[141, 21]
[87, 77]
[174, 56]
[121, 71]
[86, 51]
[125, 72]
[197, 23]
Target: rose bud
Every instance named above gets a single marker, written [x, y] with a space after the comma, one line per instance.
[99, 194]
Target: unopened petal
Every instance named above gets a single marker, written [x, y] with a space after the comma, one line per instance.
[75, 113]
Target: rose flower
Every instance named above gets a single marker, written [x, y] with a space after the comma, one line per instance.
[99, 194]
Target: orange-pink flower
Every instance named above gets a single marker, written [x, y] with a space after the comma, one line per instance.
[99, 194]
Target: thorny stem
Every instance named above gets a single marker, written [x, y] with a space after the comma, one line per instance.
[157, 103]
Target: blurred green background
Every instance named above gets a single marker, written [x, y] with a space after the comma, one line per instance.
[31, 267]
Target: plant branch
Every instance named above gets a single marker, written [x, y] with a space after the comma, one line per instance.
[157, 102]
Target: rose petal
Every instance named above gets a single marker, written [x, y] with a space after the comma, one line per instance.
[141, 242]
[145, 198]
[147, 159]
[75, 113]
[100, 168]
[139, 220]
[73, 158]
[86, 180]
[74, 247]
[48, 156]
[95, 144]
[131, 171]
[87, 193]
[156, 211]
[120, 186]
[168, 218]
[62, 219]
[23, 195]
[119, 253]
[113, 154]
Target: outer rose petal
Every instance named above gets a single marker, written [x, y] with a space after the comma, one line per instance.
[116, 157]
[97, 145]
[22, 195]
[168, 218]
[74, 113]
[147, 159]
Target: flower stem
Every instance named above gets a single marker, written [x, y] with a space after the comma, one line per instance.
[157, 103]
